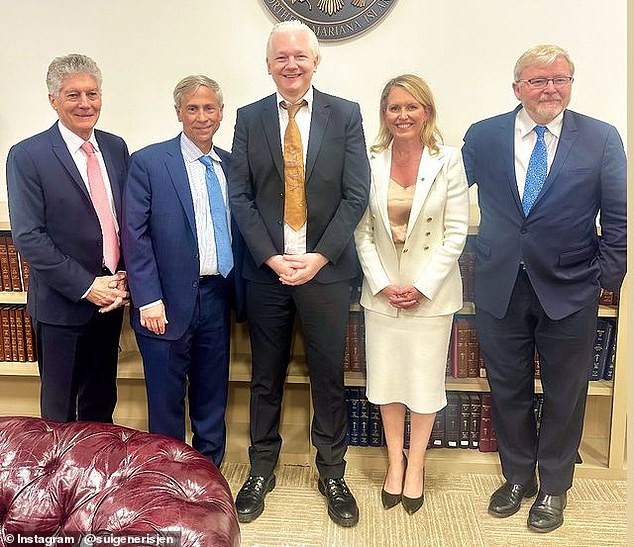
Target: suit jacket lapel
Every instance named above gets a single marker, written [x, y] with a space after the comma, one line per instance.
[63, 155]
[113, 175]
[380, 163]
[506, 141]
[271, 126]
[318, 124]
[427, 172]
[175, 164]
[566, 140]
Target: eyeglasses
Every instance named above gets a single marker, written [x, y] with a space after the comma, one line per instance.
[540, 83]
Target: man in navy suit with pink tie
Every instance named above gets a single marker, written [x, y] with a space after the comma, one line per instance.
[65, 187]
[544, 173]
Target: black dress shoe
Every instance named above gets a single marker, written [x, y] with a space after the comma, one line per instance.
[547, 513]
[250, 498]
[342, 507]
[506, 500]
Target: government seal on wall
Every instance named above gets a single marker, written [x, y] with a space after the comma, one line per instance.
[332, 19]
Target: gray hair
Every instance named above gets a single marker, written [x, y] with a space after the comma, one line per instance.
[63, 66]
[542, 54]
[189, 84]
[294, 26]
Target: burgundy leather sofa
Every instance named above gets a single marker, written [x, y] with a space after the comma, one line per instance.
[84, 477]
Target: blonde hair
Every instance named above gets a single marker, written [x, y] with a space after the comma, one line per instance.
[430, 135]
[541, 54]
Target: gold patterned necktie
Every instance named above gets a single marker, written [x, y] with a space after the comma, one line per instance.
[295, 196]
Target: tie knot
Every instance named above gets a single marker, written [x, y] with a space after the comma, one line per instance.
[293, 109]
[88, 148]
[540, 130]
[206, 160]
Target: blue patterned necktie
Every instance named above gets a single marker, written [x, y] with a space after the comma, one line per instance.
[219, 218]
[536, 171]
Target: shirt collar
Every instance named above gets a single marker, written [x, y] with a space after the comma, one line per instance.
[74, 141]
[308, 97]
[525, 124]
[191, 152]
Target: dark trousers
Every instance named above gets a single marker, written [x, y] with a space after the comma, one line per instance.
[565, 353]
[323, 310]
[78, 368]
[197, 364]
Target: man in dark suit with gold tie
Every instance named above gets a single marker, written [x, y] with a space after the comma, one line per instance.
[299, 185]
[65, 187]
[544, 173]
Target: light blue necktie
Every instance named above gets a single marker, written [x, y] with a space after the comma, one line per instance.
[536, 172]
[219, 218]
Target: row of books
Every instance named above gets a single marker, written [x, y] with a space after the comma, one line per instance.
[17, 342]
[14, 271]
[464, 359]
[464, 423]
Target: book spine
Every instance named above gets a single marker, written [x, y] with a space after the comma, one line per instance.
[29, 337]
[474, 427]
[376, 426]
[6, 332]
[4, 264]
[13, 333]
[452, 421]
[14, 266]
[19, 339]
[465, 420]
[485, 423]
[364, 420]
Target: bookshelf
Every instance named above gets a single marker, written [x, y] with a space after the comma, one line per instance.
[603, 442]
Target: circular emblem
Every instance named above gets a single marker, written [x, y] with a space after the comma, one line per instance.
[332, 19]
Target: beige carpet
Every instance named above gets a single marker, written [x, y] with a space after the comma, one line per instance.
[454, 514]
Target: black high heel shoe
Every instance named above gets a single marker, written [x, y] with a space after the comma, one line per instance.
[392, 500]
[411, 505]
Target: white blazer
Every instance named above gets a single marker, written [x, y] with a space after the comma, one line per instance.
[436, 234]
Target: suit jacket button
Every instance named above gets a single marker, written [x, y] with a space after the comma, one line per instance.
[429, 219]
[405, 250]
[428, 233]
[523, 230]
[426, 247]
[279, 222]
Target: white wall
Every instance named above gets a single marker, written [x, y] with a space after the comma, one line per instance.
[465, 49]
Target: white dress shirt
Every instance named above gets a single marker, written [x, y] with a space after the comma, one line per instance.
[295, 241]
[525, 139]
[74, 143]
[204, 222]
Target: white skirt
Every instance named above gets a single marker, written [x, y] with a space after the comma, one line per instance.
[406, 360]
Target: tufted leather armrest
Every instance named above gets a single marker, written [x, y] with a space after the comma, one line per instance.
[58, 478]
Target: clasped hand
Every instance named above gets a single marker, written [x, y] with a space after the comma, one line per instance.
[297, 269]
[109, 292]
[403, 298]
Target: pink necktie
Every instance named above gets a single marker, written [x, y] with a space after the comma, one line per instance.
[101, 204]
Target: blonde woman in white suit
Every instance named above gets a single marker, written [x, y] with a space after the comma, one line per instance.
[408, 242]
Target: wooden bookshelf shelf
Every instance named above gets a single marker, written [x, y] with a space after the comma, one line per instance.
[12, 297]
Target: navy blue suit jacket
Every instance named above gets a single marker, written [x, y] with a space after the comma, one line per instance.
[337, 185]
[54, 224]
[566, 260]
[160, 243]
